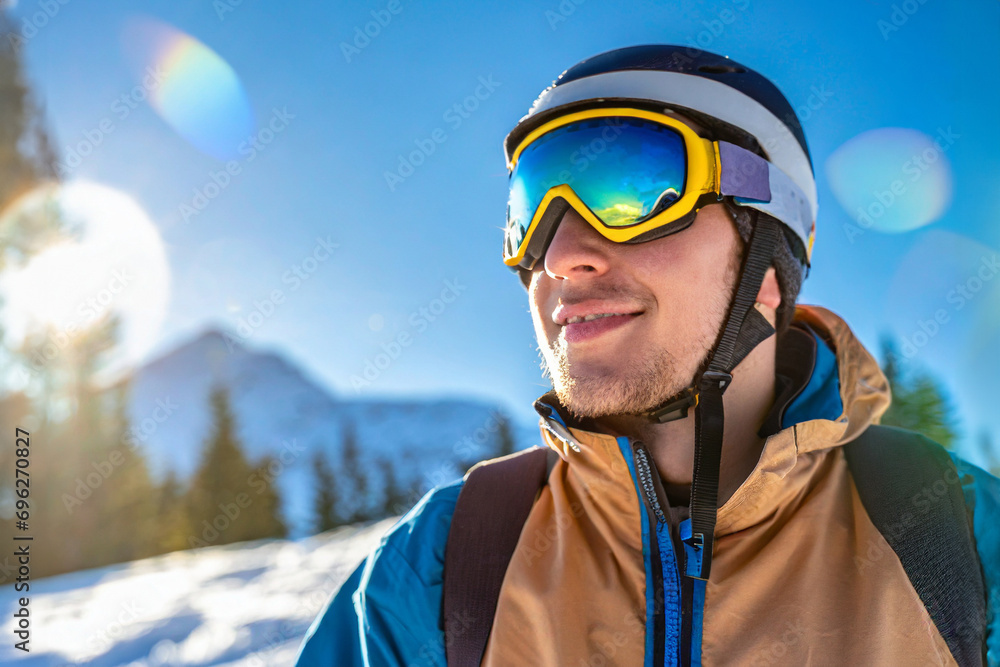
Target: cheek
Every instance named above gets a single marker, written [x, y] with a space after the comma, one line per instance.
[538, 301]
[682, 284]
[666, 273]
[697, 271]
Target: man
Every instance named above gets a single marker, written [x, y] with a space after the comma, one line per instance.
[714, 488]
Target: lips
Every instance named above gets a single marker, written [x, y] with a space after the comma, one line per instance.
[589, 319]
[579, 331]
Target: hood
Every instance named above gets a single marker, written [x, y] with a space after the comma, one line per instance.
[844, 369]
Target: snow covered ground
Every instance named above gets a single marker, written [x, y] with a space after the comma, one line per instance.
[246, 604]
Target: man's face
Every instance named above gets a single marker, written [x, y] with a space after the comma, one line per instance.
[666, 299]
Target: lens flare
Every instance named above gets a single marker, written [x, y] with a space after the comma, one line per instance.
[940, 294]
[892, 179]
[193, 89]
[108, 260]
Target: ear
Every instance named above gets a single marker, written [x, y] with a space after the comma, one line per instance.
[770, 292]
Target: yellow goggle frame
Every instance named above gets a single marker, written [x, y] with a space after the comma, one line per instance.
[701, 178]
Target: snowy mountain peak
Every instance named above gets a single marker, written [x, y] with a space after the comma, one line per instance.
[278, 409]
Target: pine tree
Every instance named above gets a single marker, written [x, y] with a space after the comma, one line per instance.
[62, 454]
[83, 469]
[26, 154]
[918, 402]
[172, 516]
[393, 498]
[326, 504]
[26, 160]
[15, 409]
[355, 475]
[264, 514]
[127, 498]
[216, 515]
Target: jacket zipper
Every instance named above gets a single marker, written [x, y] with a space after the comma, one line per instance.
[645, 470]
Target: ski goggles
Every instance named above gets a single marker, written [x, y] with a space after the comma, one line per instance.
[634, 175]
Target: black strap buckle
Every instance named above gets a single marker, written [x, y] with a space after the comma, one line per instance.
[716, 380]
[677, 408]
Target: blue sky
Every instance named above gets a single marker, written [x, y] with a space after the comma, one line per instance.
[348, 116]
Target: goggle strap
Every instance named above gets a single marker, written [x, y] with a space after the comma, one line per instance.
[754, 182]
[787, 204]
[742, 173]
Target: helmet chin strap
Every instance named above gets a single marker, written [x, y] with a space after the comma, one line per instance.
[744, 329]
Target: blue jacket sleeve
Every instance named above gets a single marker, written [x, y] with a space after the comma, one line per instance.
[982, 495]
[388, 612]
[334, 637]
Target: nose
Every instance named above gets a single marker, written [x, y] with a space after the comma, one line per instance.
[577, 249]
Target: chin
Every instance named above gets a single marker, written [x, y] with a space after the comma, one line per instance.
[634, 391]
[615, 384]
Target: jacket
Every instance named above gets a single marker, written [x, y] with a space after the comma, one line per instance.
[800, 575]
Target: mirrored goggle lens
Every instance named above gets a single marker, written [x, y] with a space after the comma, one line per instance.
[626, 170]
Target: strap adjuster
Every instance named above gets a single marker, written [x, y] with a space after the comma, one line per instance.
[717, 380]
[694, 552]
[677, 408]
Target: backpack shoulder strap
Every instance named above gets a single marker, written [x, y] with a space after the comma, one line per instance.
[912, 492]
[491, 510]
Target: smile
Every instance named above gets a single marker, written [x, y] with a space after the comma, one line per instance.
[588, 318]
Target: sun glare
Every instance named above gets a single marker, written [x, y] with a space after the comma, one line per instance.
[108, 260]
